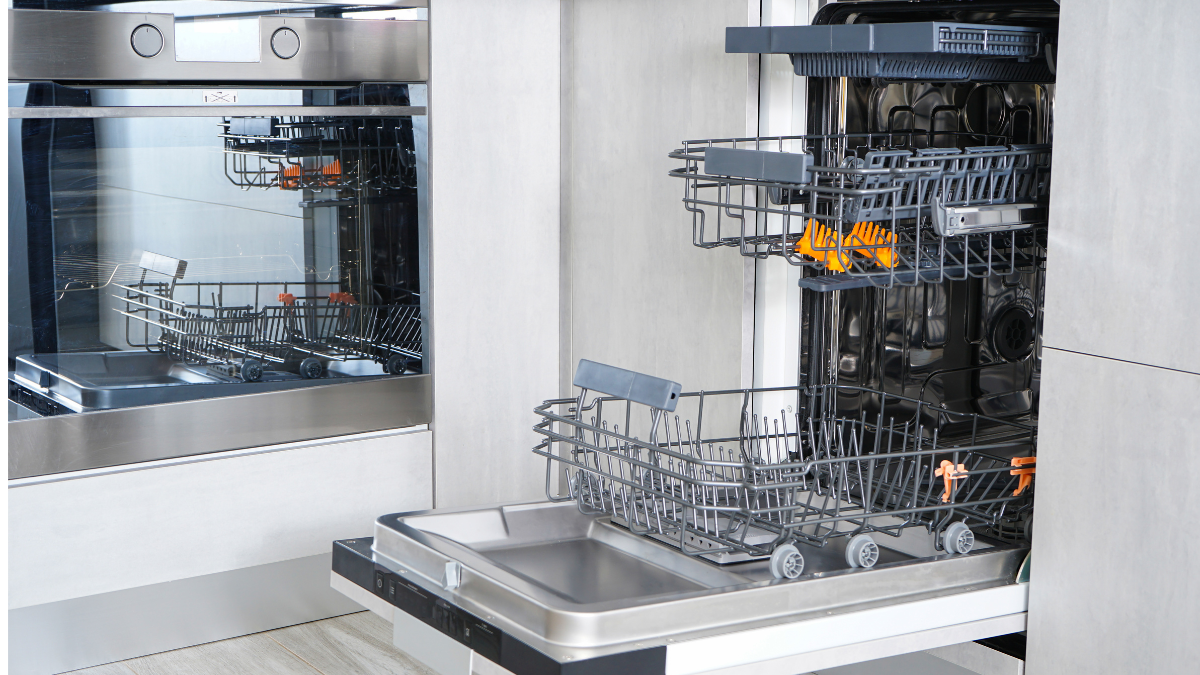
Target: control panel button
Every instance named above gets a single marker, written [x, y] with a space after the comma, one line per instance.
[147, 40]
[285, 43]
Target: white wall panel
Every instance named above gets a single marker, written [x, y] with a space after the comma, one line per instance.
[98, 534]
[494, 171]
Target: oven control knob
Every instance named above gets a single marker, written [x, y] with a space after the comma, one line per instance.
[147, 40]
[285, 43]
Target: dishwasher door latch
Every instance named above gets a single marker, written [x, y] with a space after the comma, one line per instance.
[452, 577]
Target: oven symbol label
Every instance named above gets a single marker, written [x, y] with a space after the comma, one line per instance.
[218, 96]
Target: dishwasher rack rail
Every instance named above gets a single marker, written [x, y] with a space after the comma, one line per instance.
[887, 209]
[722, 479]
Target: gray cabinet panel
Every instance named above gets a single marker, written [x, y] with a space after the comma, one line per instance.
[1115, 550]
[641, 77]
[494, 171]
[1122, 279]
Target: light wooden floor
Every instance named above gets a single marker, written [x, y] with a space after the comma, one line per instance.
[361, 644]
[356, 643]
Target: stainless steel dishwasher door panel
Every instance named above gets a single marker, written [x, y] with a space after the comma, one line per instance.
[578, 584]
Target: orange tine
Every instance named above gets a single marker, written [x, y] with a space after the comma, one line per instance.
[876, 235]
[887, 256]
[861, 235]
[804, 246]
[818, 235]
[831, 258]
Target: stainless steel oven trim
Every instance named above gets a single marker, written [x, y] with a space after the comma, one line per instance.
[211, 457]
[60, 112]
[107, 438]
[382, 4]
[94, 47]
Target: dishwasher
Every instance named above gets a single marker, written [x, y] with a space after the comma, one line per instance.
[889, 494]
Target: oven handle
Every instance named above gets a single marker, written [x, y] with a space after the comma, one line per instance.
[61, 112]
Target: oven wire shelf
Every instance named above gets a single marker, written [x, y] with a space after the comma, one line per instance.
[271, 326]
[873, 209]
[364, 155]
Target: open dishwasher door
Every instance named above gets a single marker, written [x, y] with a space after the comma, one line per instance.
[827, 540]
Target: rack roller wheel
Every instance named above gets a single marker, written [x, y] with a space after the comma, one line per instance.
[786, 562]
[251, 371]
[311, 368]
[958, 538]
[862, 551]
[396, 364]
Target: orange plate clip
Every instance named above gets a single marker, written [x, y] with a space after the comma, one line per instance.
[1026, 473]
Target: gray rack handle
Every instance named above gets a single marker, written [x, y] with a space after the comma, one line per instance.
[652, 391]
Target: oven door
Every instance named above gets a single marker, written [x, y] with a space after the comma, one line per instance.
[209, 255]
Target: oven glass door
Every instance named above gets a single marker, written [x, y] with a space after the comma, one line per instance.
[160, 255]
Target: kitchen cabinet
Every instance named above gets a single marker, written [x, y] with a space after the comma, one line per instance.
[111, 564]
[1112, 589]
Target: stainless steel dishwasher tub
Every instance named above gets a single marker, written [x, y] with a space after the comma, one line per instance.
[578, 586]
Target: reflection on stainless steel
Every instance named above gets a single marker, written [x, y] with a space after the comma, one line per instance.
[566, 583]
[68, 46]
[88, 381]
[58, 112]
[114, 437]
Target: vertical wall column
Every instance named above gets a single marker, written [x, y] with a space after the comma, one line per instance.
[782, 111]
[645, 76]
[494, 187]
[1113, 588]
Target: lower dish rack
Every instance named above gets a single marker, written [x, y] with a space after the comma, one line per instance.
[720, 480]
[872, 209]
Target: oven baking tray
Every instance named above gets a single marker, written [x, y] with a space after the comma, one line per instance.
[88, 381]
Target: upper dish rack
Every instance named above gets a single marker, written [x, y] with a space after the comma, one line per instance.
[872, 209]
[317, 153]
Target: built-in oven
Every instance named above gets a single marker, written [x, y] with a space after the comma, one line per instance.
[218, 232]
